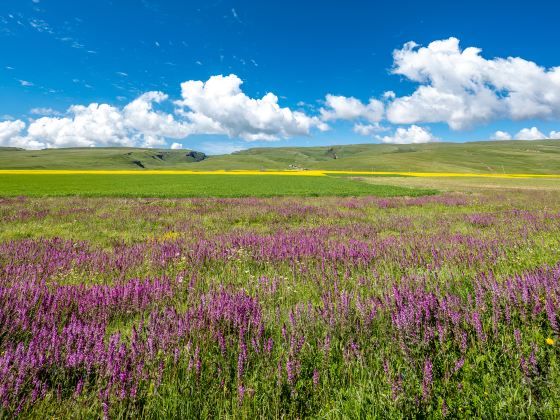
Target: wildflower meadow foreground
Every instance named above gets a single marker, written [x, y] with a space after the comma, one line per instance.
[438, 306]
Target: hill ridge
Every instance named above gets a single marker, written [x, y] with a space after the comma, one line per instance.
[542, 156]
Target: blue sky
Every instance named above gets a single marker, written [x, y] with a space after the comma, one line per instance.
[58, 57]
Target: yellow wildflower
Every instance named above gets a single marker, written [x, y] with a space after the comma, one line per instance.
[169, 236]
[291, 172]
[549, 341]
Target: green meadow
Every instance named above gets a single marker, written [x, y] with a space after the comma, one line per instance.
[162, 185]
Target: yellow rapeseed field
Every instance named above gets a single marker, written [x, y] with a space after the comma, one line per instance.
[257, 172]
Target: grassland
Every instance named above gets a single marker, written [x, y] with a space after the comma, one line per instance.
[177, 183]
[476, 157]
[103, 158]
[467, 184]
[180, 295]
[332, 307]
[164, 185]
[539, 157]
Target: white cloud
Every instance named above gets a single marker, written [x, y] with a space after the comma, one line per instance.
[95, 124]
[219, 106]
[350, 108]
[44, 111]
[41, 26]
[10, 130]
[137, 124]
[368, 129]
[389, 94]
[176, 146]
[532, 133]
[501, 135]
[25, 83]
[412, 134]
[140, 116]
[462, 88]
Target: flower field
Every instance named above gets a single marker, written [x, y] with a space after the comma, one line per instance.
[334, 307]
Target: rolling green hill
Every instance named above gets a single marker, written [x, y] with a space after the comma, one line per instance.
[476, 157]
[97, 158]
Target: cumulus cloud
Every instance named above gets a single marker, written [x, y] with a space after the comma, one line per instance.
[350, 108]
[86, 126]
[137, 124]
[532, 133]
[501, 135]
[456, 86]
[219, 106]
[411, 135]
[461, 88]
[140, 116]
[176, 146]
[10, 130]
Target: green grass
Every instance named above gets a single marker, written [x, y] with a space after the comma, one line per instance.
[539, 157]
[478, 157]
[192, 186]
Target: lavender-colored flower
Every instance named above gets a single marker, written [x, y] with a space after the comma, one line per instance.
[290, 371]
[105, 406]
[316, 378]
[269, 346]
[241, 393]
[428, 378]
[79, 387]
[551, 314]
[517, 336]
[444, 409]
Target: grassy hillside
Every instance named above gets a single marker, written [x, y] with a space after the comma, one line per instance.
[478, 157]
[510, 156]
[96, 158]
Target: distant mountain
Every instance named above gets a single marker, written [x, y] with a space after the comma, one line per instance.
[541, 156]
